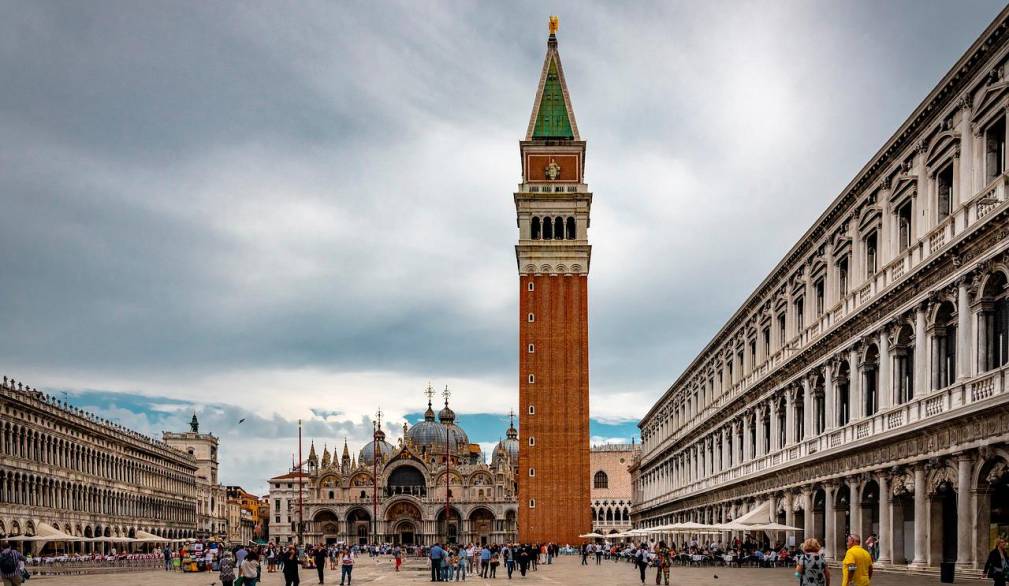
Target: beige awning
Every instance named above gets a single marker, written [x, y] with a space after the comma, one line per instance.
[760, 515]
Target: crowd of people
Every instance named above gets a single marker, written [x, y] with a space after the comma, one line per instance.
[453, 563]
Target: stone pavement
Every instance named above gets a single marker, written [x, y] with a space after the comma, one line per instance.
[564, 572]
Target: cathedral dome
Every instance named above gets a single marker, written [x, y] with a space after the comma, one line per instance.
[509, 446]
[428, 434]
[385, 449]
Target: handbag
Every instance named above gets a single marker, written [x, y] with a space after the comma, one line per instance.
[239, 581]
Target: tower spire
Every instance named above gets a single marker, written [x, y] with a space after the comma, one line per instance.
[552, 116]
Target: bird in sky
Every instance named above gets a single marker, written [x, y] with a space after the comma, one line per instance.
[241, 420]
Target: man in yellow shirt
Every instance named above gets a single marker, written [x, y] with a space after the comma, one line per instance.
[856, 569]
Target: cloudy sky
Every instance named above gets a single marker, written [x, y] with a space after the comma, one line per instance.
[282, 211]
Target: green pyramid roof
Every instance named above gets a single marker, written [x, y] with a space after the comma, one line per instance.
[552, 120]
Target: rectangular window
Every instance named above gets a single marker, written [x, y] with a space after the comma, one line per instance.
[781, 329]
[818, 291]
[532, 378]
[532, 472]
[871, 256]
[532, 441]
[532, 410]
[994, 162]
[532, 503]
[944, 192]
[767, 341]
[904, 227]
[532, 348]
[800, 318]
[276, 504]
[753, 353]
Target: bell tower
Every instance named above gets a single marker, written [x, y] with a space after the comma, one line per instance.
[552, 205]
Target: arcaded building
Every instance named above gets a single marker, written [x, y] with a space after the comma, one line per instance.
[67, 473]
[434, 486]
[552, 207]
[611, 486]
[862, 386]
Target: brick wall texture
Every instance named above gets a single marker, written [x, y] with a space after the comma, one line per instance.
[560, 395]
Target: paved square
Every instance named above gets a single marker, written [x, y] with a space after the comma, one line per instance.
[565, 572]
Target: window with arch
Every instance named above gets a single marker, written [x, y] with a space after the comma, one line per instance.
[532, 472]
[559, 228]
[532, 441]
[532, 348]
[601, 480]
[532, 410]
[570, 231]
[548, 229]
[531, 317]
[531, 286]
[534, 228]
[532, 503]
[532, 378]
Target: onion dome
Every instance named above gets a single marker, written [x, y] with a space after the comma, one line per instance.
[385, 450]
[447, 418]
[509, 445]
[428, 434]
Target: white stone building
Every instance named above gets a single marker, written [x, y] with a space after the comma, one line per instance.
[66, 472]
[211, 497]
[862, 387]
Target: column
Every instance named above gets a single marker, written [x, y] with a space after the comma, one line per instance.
[726, 456]
[964, 519]
[885, 391]
[920, 352]
[790, 416]
[807, 409]
[829, 395]
[807, 515]
[856, 402]
[758, 424]
[920, 517]
[965, 188]
[746, 436]
[830, 489]
[774, 426]
[885, 530]
[855, 485]
[963, 333]
[789, 513]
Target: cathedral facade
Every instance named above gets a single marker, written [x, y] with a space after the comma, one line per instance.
[862, 387]
[552, 207]
[434, 486]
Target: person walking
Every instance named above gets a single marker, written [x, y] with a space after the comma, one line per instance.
[664, 559]
[397, 554]
[495, 561]
[249, 570]
[585, 554]
[319, 556]
[289, 562]
[484, 561]
[811, 568]
[346, 565]
[507, 555]
[641, 560]
[997, 566]
[227, 569]
[599, 554]
[10, 565]
[523, 555]
[166, 553]
[436, 554]
[856, 568]
[462, 565]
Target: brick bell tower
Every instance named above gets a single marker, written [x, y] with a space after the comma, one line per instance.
[552, 204]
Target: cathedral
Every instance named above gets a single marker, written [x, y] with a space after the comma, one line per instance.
[433, 473]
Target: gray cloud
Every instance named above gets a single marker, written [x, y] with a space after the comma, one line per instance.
[312, 208]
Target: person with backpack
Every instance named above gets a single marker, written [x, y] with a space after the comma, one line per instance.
[641, 560]
[10, 565]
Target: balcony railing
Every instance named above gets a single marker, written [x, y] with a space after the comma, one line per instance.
[985, 387]
[990, 198]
